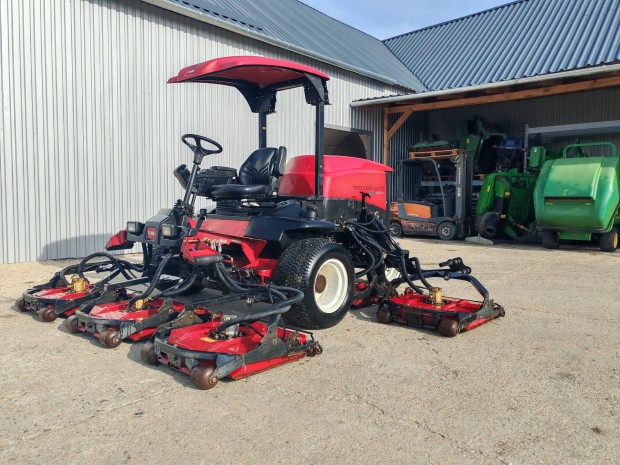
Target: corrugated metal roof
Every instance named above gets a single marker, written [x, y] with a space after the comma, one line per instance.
[300, 25]
[521, 39]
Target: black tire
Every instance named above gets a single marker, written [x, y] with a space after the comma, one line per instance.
[550, 239]
[486, 224]
[608, 242]
[447, 231]
[396, 230]
[299, 267]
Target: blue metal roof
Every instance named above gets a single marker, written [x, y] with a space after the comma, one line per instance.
[520, 39]
[298, 24]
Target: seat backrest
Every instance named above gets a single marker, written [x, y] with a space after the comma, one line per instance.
[258, 168]
[280, 162]
[262, 166]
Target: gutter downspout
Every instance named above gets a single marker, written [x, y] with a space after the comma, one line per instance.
[270, 40]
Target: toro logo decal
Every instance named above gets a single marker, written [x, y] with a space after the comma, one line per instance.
[151, 233]
[375, 189]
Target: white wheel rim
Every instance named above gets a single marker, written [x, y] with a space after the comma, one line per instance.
[330, 286]
[391, 273]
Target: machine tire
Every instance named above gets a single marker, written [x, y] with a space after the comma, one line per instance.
[396, 230]
[21, 304]
[71, 324]
[202, 376]
[110, 338]
[299, 267]
[147, 354]
[47, 314]
[608, 242]
[486, 224]
[447, 231]
[448, 327]
[550, 239]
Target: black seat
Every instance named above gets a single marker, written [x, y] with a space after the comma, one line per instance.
[257, 176]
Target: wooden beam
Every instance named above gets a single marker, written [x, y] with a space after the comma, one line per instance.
[399, 122]
[518, 95]
[386, 139]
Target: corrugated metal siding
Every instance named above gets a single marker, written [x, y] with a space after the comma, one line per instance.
[521, 39]
[583, 107]
[298, 24]
[90, 132]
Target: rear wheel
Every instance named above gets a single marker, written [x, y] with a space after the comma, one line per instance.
[323, 271]
[446, 230]
[608, 242]
[550, 239]
[396, 230]
[21, 305]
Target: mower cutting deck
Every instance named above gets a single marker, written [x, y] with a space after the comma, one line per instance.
[63, 296]
[113, 322]
[209, 345]
[434, 311]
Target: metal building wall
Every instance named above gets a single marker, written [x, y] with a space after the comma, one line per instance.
[90, 132]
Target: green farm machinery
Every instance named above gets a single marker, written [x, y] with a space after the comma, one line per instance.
[576, 197]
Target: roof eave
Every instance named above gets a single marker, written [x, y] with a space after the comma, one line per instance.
[383, 101]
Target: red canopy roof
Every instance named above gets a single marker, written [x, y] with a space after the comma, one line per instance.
[259, 71]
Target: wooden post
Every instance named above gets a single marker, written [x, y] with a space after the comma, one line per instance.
[386, 139]
[388, 132]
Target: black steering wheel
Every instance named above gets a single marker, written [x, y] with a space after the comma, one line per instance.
[197, 146]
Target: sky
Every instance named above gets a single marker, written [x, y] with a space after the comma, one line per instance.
[388, 18]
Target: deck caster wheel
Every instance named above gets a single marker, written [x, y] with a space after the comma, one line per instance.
[318, 350]
[202, 376]
[313, 350]
[21, 305]
[384, 316]
[147, 354]
[502, 312]
[110, 338]
[448, 328]
[71, 324]
[47, 313]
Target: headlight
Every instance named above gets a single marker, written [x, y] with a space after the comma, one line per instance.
[169, 231]
[135, 227]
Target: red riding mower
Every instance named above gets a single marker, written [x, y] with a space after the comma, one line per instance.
[302, 243]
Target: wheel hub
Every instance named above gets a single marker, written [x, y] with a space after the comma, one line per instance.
[320, 284]
[330, 286]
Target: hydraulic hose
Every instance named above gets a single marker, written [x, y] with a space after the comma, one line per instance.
[183, 285]
[154, 281]
[118, 267]
[275, 309]
[363, 247]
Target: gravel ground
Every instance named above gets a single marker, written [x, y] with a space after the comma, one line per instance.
[541, 385]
